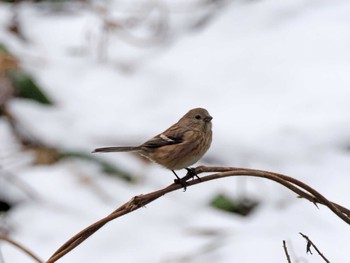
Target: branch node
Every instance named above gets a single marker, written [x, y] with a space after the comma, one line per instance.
[134, 203]
[310, 244]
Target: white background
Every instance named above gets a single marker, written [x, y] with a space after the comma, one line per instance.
[275, 75]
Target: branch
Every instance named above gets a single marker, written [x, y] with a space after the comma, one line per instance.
[22, 248]
[310, 244]
[301, 189]
[286, 251]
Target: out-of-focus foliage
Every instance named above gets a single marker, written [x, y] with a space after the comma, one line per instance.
[26, 87]
[107, 167]
[4, 206]
[14, 82]
[22, 84]
[241, 206]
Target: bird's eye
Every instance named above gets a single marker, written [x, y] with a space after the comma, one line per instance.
[198, 117]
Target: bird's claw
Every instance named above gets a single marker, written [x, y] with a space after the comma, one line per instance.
[191, 173]
[182, 182]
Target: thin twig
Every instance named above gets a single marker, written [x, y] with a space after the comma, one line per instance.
[286, 251]
[310, 244]
[22, 248]
[301, 189]
[20, 184]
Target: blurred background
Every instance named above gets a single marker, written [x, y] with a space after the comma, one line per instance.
[78, 75]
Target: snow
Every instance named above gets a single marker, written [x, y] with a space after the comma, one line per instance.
[273, 74]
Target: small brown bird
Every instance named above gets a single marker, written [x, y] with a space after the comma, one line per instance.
[180, 146]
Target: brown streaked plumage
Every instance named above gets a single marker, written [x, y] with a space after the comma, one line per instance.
[180, 146]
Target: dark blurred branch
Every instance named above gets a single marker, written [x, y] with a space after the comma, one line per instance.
[301, 189]
[14, 26]
[21, 248]
[12, 178]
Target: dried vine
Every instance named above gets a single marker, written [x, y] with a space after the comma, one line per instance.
[298, 187]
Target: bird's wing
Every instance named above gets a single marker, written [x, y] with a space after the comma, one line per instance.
[169, 137]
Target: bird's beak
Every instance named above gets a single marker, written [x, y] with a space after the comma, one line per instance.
[208, 118]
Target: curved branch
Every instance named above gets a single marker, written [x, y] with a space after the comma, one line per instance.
[298, 187]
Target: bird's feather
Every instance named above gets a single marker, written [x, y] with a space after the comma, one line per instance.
[162, 140]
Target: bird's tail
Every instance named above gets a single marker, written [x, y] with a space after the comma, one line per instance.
[116, 149]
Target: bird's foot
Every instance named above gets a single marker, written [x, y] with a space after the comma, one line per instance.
[179, 180]
[182, 182]
[191, 173]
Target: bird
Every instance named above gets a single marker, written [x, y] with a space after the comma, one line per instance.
[179, 146]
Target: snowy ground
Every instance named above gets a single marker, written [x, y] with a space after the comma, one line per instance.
[275, 75]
